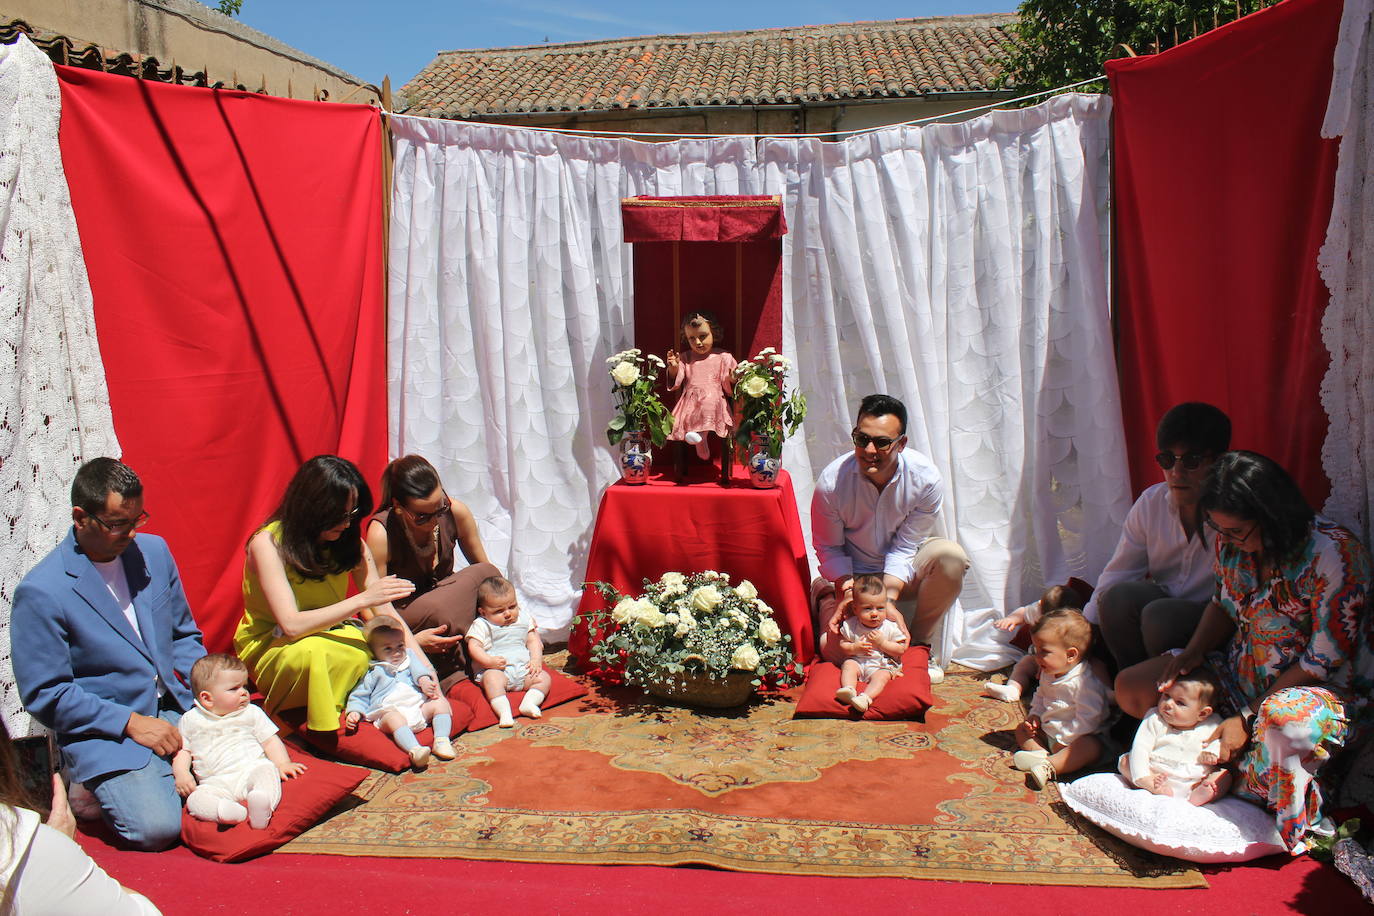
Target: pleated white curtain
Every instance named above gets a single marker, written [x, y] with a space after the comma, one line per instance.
[960, 267]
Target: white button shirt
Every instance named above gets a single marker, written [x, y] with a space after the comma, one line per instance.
[855, 528]
[1153, 546]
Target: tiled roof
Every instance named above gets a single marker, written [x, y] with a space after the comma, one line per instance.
[902, 58]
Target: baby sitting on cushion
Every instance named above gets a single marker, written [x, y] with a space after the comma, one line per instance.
[233, 748]
[1175, 749]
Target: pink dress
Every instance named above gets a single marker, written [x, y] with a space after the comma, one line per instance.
[704, 405]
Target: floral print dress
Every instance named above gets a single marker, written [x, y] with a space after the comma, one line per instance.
[1312, 613]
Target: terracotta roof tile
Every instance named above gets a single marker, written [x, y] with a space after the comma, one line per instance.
[860, 60]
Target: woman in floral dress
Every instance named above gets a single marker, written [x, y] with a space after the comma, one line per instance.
[1286, 632]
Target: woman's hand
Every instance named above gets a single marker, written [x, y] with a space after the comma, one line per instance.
[433, 641]
[60, 818]
[1175, 665]
[1234, 735]
[386, 590]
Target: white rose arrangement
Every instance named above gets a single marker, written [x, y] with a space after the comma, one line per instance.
[637, 407]
[684, 623]
[766, 410]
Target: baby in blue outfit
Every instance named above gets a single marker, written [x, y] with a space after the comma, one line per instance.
[506, 651]
[400, 694]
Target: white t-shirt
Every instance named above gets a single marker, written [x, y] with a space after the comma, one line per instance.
[112, 571]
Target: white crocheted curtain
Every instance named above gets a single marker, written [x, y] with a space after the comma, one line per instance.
[960, 267]
[1346, 261]
[54, 406]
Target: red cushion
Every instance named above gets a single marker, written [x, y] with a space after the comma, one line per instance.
[367, 746]
[905, 697]
[468, 695]
[305, 799]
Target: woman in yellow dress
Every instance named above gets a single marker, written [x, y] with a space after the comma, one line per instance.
[299, 635]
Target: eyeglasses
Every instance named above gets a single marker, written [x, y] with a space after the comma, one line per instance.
[881, 443]
[423, 518]
[1231, 534]
[350, 516]
[121, 527]
[1191, 461]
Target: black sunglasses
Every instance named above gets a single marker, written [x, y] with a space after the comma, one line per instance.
[1191, 461]
[881, 443]
[350, 516]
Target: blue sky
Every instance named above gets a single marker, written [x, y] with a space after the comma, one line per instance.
[399, 37]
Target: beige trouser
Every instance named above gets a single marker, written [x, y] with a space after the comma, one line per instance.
[939, 567]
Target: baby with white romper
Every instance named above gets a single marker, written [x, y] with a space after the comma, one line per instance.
[231, 763]
[506, 651]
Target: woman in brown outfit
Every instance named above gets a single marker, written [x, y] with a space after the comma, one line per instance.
[413, 535]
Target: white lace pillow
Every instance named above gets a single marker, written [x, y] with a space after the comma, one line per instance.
[1229, 830]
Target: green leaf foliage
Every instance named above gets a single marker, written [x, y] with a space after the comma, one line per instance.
[1059, 42]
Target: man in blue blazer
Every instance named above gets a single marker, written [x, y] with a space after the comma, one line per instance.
[102, 643]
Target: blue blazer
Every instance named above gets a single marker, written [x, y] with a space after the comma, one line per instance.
[81, 669]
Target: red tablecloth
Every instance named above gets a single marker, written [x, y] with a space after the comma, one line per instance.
[645, 531]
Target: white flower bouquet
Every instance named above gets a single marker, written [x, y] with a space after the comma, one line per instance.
[766, 411]
[689, 626]
[633, 374]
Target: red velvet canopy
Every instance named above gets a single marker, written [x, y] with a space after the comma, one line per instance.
[716, 254]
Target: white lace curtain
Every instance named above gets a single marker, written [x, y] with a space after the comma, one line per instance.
[54, 406]
[961, 267]
[1346, 261]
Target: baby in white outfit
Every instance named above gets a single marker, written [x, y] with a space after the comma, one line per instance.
[506, 651]
[231, 764]
[1176, 749]
[873, 643]
[1071, 704]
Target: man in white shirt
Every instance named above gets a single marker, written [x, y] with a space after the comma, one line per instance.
[876, 510]
[1152, 593]
[102, 645]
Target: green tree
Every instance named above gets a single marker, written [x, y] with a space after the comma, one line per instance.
[1059, 42]
[230, 7]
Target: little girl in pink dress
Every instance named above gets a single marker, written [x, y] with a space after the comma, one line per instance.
[705, 374]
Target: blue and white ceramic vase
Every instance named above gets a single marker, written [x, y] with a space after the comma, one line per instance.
[636, 457]
[763, 470]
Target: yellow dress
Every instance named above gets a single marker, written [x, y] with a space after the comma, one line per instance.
[315, 671]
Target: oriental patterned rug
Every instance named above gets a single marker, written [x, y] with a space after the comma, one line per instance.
[613, 779]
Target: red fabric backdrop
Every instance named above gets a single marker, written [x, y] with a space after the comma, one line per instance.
[234, 245]
[1223, 191]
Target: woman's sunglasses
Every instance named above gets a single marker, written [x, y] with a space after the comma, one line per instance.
[423, 518]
